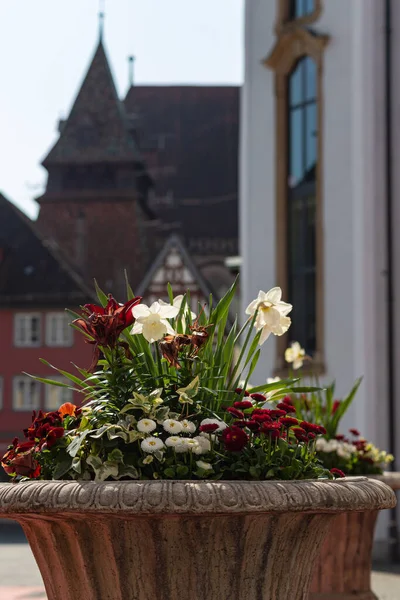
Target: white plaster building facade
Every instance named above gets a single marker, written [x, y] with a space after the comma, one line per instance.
[348, 152]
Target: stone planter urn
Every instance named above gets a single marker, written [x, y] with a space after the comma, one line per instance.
[164, 540]
[343, 568]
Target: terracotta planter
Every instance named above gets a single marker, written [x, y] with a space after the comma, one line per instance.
[343, 570]
[166, 540]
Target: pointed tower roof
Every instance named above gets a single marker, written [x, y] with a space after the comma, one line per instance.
[96, 130]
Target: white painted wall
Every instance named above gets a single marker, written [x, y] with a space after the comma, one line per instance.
[354, 195]
[257, 165]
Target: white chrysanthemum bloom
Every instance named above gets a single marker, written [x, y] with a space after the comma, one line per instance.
[191, 444]
[271, 316]
[188, 426]
[148, 460]
[182, 446]
[204, 445]
[146, 425]
[345, 450]
[177, 302]
[221, 424]
[204, 465]
[172, 426]
[173, 441]
[152, 321]
[295, 354]
[320, 444]
[151, 444]
[209, 436]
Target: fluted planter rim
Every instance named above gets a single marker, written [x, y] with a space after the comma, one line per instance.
[194, 497]
[391, 478]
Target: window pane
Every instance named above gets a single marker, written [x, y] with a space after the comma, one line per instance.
[311, 136]
[301, 8]
[26, 393]
[310, 73]
[309, 6]
[296, 91]
[296, 136]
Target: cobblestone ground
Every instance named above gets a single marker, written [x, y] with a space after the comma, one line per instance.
[20, 578]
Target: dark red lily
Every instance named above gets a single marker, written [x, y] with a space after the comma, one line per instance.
[105, 325]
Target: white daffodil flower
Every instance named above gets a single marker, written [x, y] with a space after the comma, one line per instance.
[177, 302]
[271, 313]
[295, 354]
[152, 321]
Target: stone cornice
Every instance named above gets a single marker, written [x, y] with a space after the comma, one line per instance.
[193, 497]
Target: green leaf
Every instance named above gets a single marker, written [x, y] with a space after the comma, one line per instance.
[100, 295]
[116, 456]
[170, 293]
[169, 472]
[187, 393]
[129, 291]
[182, 470]
[74, 446]
[62, 468]
[77, 464]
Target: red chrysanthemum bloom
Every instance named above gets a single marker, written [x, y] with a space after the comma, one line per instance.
[208, 427]
[270, 426]
[105, 325]
[337, 472]
[277, 412]
[311, 435]
[287, 400]
[234, 438]
[241, 390]
[238, 414]
[360, 444]
[300, 434]
[286, 407]
[313, 427]
[288, 421]
[251, 424]
[335, 406]
[339, 437]
[354, 432]
[243, 404]
[258, 397]
[261, 418]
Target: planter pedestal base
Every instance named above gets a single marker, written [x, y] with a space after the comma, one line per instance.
[166, 540]
[343, 570]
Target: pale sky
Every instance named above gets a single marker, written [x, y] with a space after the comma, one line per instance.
[46, 46]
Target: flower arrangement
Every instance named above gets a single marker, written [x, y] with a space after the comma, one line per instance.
[161, 399]
[347, 454]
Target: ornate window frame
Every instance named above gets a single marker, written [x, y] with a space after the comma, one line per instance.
[285, 23]
[293, 43]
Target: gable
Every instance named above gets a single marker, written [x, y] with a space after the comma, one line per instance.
[174, 265]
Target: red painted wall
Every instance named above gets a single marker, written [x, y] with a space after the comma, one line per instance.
[15, 360]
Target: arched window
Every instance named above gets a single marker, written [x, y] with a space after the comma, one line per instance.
[301, 201]
[301, 8]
